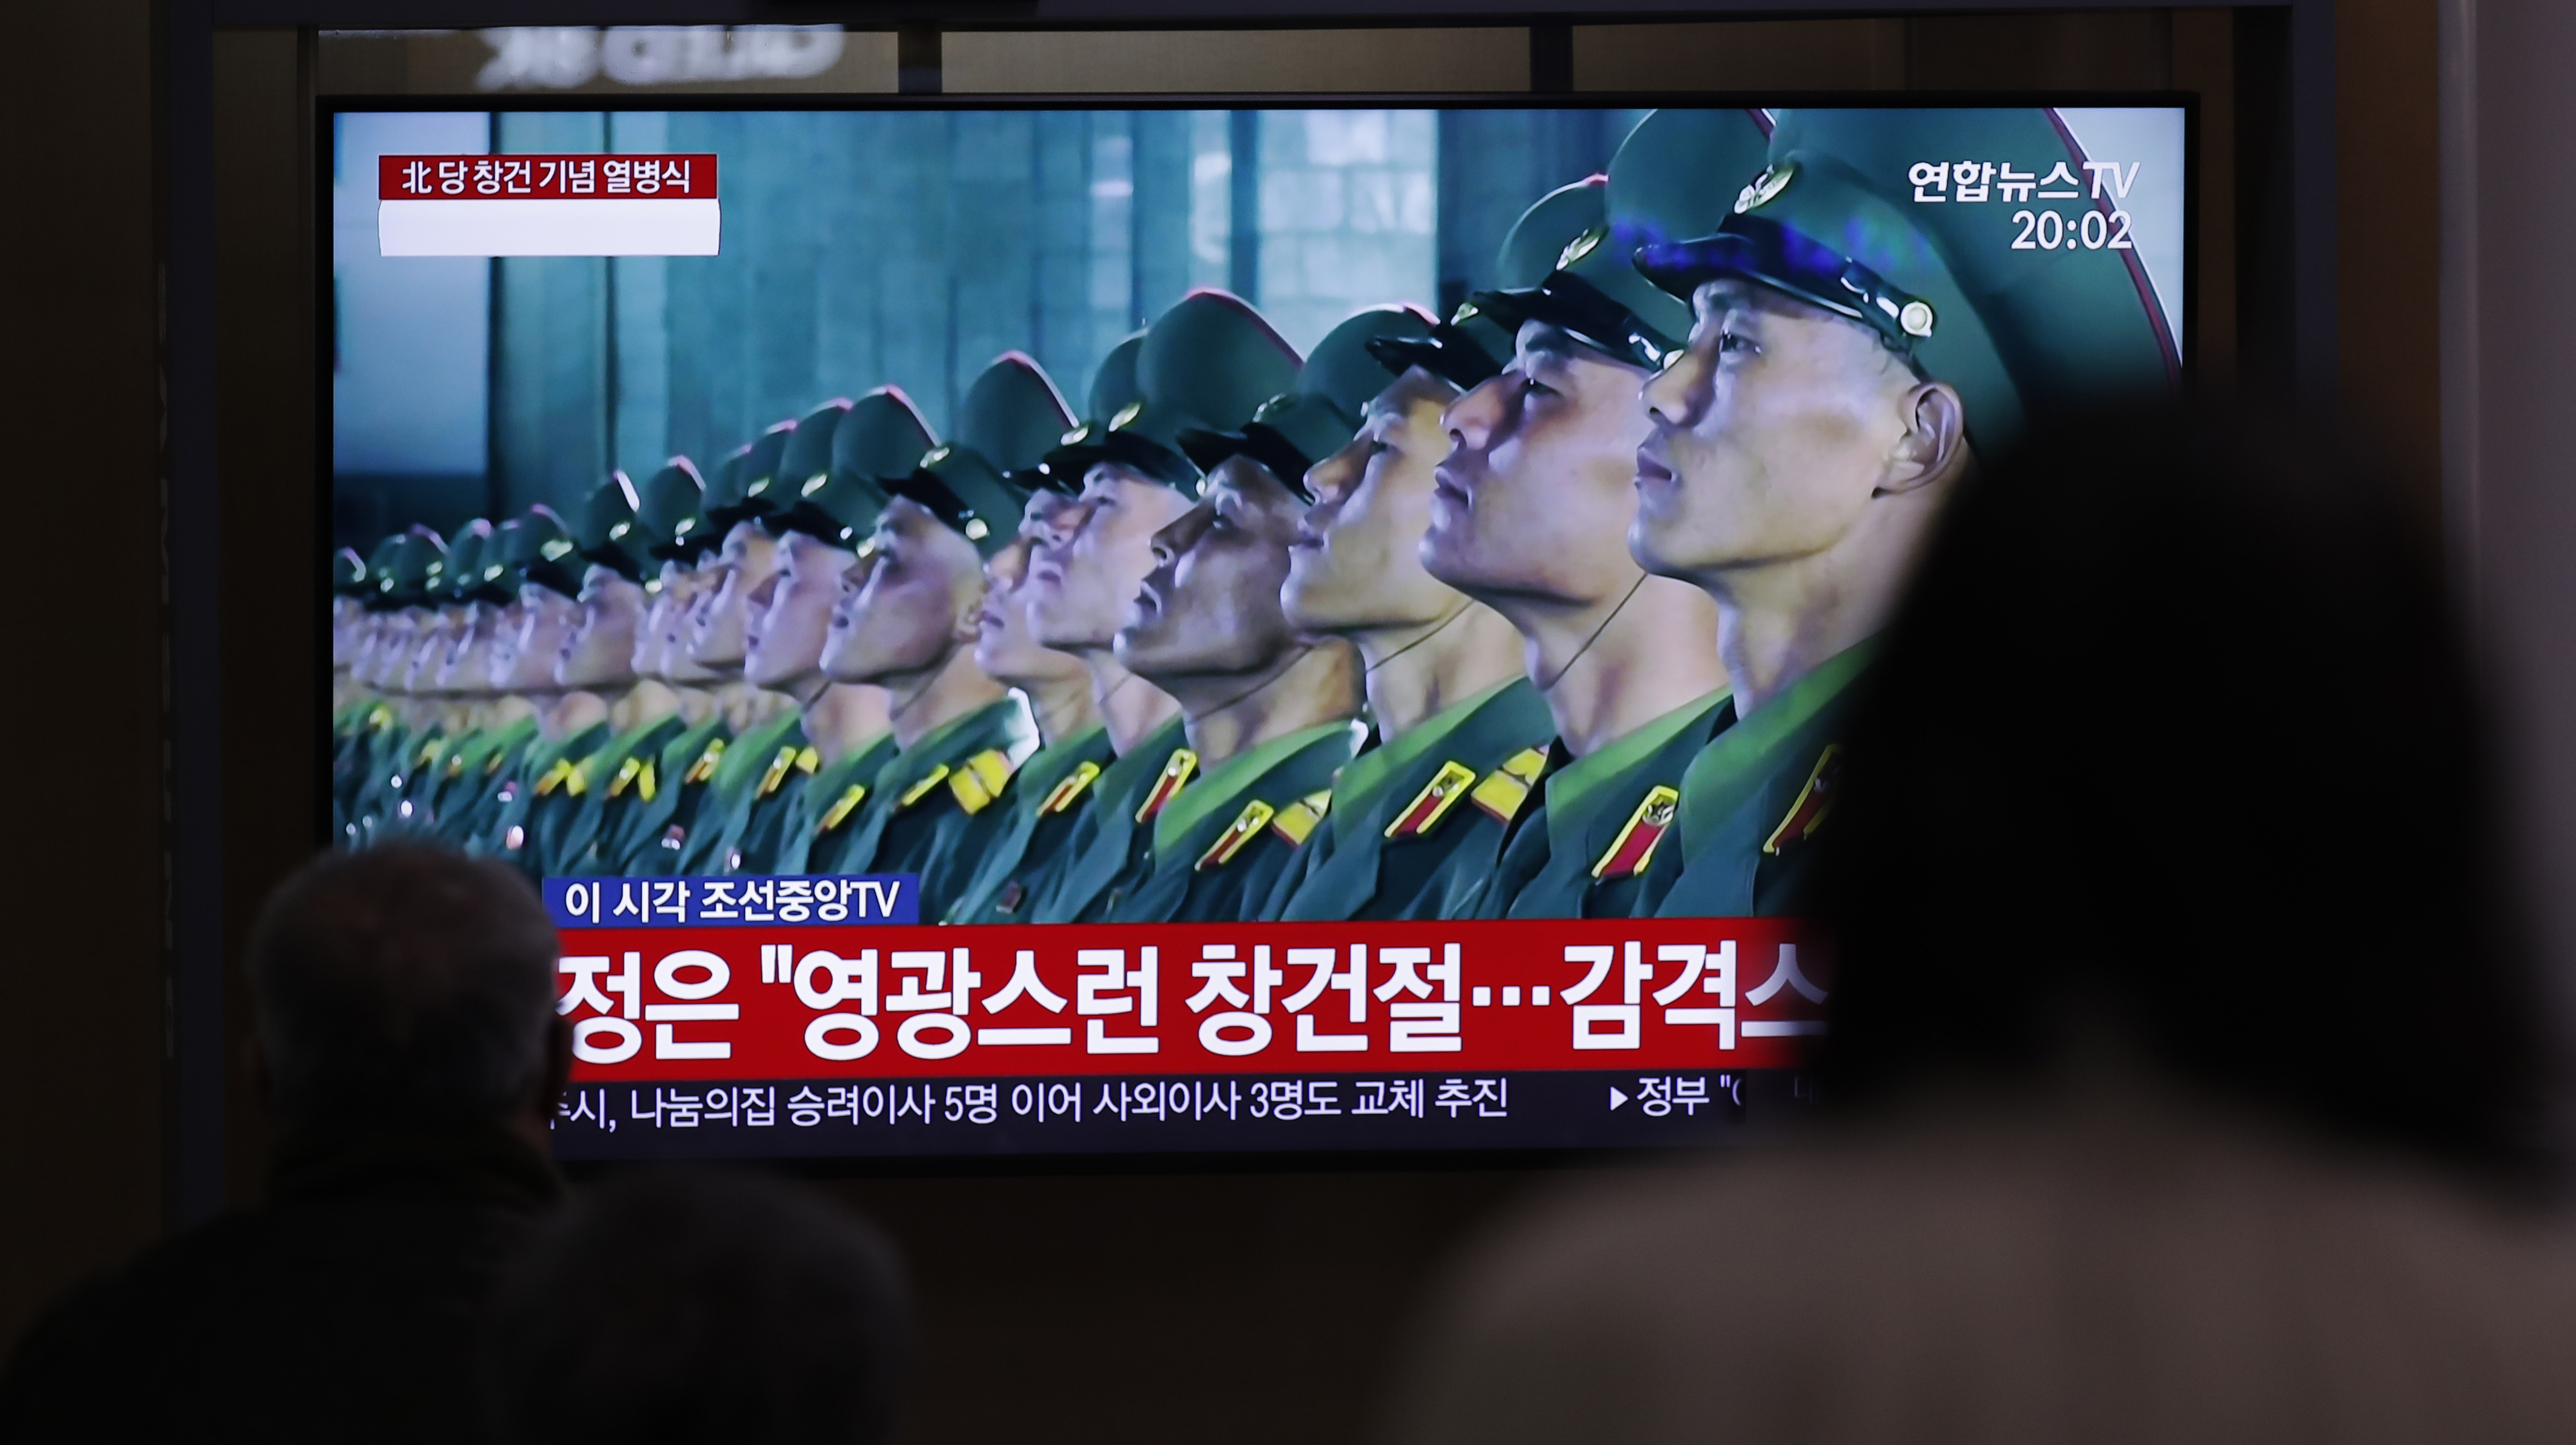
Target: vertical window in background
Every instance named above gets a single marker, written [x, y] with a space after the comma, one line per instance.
[1112, 289]
[638, 324]
[1347, 215]
[1211, 198]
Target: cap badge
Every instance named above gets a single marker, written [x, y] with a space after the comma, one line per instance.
[1465, 313]
[976, 531]
[1766, 187]
[1916, 318]
[554, 551]
[1581, 246]
[937, 455]
[1075, 436]
[813, 484]
[1126, 414]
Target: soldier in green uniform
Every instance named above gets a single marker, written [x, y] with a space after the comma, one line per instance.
[642, 797]
[757, 817]
[1851, 345]
[1269, 712]
[1530, 515]
[1207, 363]
[474, 768]
[456, 697]
[1050, 791]
[525, 654]
[906, 623]
[1447, 693]
[364, 789]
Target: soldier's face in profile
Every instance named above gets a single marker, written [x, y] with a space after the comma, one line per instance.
[1534, 497]
[1005, 649]
[652, 636]
[1211, 605]
[717, 624]
[907, 605]
[791, 612]
[1769, 434]
[678, 667]
[599, 649]
[468, 666]
[527, 664]
[1356, 561]
[1093, 554]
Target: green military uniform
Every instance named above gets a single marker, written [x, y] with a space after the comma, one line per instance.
[532, 549]
[742, 815]
[1400, 811]
[1584, 850]
[828, 802]
[384, 759]
[1049, 796]
[964, 778]
[356, 723]
[1208, 841]
[1834, 218]
[1111, 835]
[648, 819]
[956, 772]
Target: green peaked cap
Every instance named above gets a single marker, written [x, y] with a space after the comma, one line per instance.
[532, 550]
[381, 559]
[1290, 433]
[1208, 363]
[607, 533]
[979, 480]
[728, 499]
[1593, 293]
[1113, 386]
[669, 513]
[463, 576]
[882, 436]
[415, 566]
[807, 454]
[1471, 347]
[1833, 220]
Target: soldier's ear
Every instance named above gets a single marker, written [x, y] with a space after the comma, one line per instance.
[1934, 445]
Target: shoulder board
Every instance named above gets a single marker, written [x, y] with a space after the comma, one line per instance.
[644, 781]
[921, 790]
[807, 760]
[777, 771]
[842, 807]
[554, 777]
[493, 763]
[1634, 848]
[1070, 790]
[981, 780]
[1433, 803]
[577, 782]
[381, 718]
[1176, 772]
[1247, 825]
[430, 750]
[705, 767]
[456, 764]
[1506, 788]
[627, 772]
[1297, 821]
[1815, 800]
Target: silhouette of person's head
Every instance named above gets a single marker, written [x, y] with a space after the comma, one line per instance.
[683, 1306]
[2176, 745]
[407, 987]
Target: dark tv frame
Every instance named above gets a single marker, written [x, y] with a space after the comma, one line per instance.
[2292, 74]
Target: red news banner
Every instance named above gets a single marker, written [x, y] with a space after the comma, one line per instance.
[546, 178]
[825, 1001]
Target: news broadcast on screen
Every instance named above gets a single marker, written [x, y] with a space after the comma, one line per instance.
[1036, 631]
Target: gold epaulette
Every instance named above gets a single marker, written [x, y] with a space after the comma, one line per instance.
[1815, 800]
[776, 773]
[1176, 772]
[1246, 826]
[705, 767]
[1297, 821]
[921, 790]
[1434, 801]
[1069, 789]
[808, 759]
[555, 777]
[842, 807]
[981, 780]
[1506, 788]
[1634, 848]
[627, 772]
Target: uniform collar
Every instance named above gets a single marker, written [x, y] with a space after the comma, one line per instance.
[1739, 761]
[1004, 724]
[1235, 776]
[1580, 789]
[1369, 772]
[1051, 763]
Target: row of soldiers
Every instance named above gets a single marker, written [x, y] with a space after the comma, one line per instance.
[1552, 608]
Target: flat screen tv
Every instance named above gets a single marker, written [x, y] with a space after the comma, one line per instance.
[1026, 630]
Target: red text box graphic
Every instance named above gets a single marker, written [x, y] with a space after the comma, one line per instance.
[546, 177]
[894, 1002]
